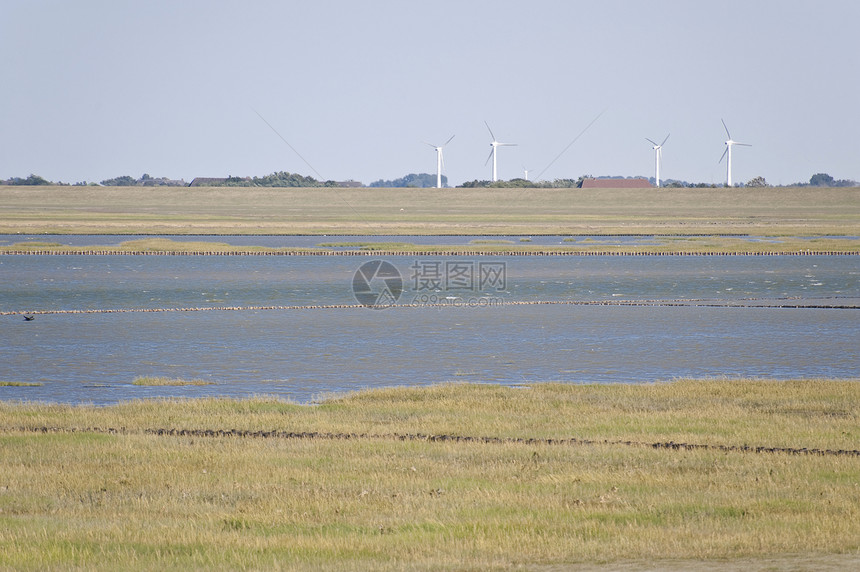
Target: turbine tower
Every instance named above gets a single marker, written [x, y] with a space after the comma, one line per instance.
[729, 144]
[658, 157]
[495, 145]
[440, 162]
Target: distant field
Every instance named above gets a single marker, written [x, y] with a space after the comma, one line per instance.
[134, 210]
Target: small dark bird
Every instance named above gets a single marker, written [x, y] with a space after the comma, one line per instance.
[29, 318]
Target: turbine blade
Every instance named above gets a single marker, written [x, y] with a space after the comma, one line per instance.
[723, 155]
[664, 140]
[490, 130]
[569, 145]
[727, 129]
[448, 141]
[652, 142]
[743, 144]
[490, 156]
[299, 155]
[426, 143]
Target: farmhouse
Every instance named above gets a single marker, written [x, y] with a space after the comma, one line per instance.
[617, 184]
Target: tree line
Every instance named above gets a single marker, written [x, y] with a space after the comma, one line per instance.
[419, 180]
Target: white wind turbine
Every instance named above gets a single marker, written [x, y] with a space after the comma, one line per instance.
[658, 157]
[729, 144]
[495, 145]
[440, 162]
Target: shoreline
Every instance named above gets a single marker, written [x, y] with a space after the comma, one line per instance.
[621, 251]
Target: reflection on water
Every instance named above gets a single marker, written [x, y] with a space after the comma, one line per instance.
[302, 353]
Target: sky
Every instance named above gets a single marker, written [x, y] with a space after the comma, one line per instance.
[339, 89]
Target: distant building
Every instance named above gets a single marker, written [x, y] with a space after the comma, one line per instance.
[617, 184]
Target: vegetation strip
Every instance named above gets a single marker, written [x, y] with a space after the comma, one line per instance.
[245, 434]
[453, 252]
[639, 303]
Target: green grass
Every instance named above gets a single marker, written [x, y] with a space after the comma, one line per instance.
[79, 496]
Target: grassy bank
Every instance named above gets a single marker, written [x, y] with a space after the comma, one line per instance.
[130, 210]
[573, 246]
[92, 487]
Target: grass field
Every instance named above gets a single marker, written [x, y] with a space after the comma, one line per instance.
[371, 211]
[661, 245]
[356, 482]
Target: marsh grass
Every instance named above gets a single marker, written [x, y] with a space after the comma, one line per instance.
[167, 381]
[36, 244]
[19, 384]
[573, 245]
[369, 245]
[95, 500]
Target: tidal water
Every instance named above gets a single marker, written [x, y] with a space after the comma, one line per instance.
[660, 318]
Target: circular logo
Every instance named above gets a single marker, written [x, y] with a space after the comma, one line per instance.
[377, 284]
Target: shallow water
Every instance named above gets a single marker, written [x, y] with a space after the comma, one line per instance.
[719, 329]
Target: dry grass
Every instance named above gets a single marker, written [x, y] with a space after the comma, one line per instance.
[96, 500]
[167, 381]
[128, 210]
[665, 245]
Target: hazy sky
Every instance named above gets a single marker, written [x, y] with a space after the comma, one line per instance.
[97, 89]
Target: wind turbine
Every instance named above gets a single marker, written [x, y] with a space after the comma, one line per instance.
[729, 144]
[440, 162]
[495, 145]
[658, 157]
